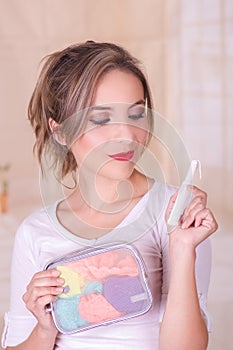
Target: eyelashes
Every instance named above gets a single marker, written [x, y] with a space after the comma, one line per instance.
[100, 121]
[137, 116]
[104, 121]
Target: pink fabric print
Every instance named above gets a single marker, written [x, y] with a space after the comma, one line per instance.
[95, 308]
[101, 266]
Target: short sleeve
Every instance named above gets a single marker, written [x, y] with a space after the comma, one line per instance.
[202, 271]
[19, 322]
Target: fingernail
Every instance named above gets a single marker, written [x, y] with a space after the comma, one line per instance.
[55, 273]
[60, 280]
[183, 226]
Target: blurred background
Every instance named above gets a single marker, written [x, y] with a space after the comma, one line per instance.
[186, 47]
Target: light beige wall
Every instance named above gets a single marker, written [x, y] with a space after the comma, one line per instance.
[31, 29]
[200, 93]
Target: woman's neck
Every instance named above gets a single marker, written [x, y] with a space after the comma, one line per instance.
[91, 211]
[107, 194]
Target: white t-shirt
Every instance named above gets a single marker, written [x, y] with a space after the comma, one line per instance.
[41, 238]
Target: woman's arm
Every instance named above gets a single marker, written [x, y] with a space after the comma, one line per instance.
[183, 326]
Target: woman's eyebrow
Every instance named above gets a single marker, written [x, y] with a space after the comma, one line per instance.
[109, 108]
[139, 102]
[100, 108]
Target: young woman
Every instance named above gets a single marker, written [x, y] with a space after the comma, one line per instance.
[91, 112]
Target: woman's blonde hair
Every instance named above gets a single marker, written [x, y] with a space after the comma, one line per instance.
[66, 85]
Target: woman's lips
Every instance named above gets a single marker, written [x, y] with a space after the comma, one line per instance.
[123, 156]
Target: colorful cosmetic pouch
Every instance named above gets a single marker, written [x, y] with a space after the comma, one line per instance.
[102, 286]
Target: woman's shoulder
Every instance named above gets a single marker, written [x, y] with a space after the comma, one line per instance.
[38, 214]
[38, 220]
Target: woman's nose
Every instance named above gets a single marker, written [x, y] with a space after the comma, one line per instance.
[123, 130]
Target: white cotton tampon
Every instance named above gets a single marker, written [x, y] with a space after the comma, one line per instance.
[184, 196]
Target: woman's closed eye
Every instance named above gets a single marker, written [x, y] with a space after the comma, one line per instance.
[100, 118]
[136, 116]
[100, 121]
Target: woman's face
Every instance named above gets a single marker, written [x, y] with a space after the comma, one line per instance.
[117, 127]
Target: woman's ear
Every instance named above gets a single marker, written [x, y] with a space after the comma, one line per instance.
[54, 127]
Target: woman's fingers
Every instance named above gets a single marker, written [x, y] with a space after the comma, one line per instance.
[197, 221]
[37, 306]
[203, 226]
[46, 278]
[189, 217]
[43, 288]
[206, 220]
[170, 205]
[46, 274]
[197, 192]
[47, 281]
[38, 292]
[196, 204]
[200, 200]
[41, 291]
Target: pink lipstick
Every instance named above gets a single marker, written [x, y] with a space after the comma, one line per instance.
[123, 156]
